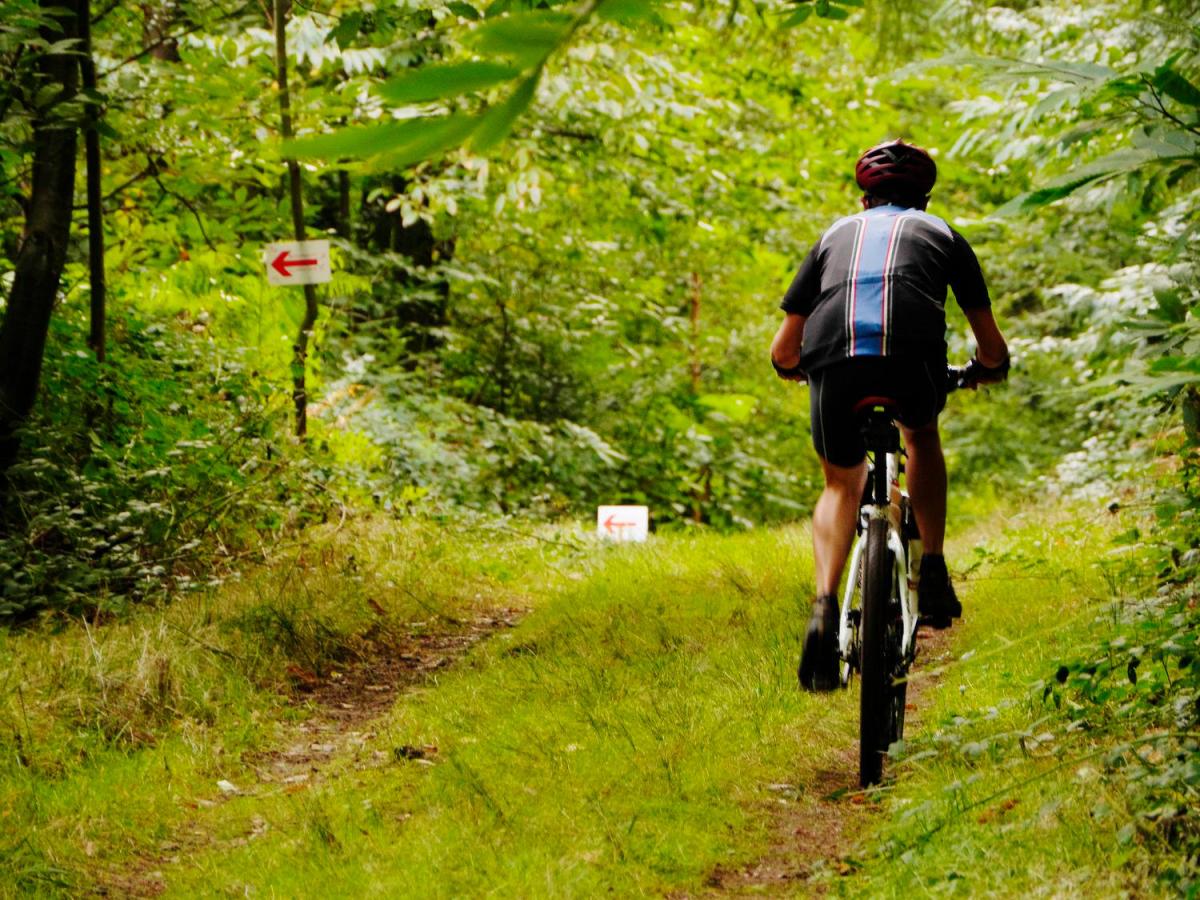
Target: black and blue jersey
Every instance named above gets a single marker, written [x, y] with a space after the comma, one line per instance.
[875, 285]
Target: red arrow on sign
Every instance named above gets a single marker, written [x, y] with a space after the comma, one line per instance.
[609, 524]
[283, 265]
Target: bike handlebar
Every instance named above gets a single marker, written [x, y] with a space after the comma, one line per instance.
[973, 374]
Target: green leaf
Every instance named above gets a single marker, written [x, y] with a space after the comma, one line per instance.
[438, 82]
[464, 10]
[798, 17]
[346, 30]
[357, 141]
[435, 137]
[1175, 86]
[1170, 306]
[498, 121]
[834, 12]
[526, 38]
[403, 143]
[735, 407]
[1190, 364]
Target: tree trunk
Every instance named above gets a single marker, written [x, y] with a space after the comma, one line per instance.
[39, 263]
[95, 205]
[300, 348]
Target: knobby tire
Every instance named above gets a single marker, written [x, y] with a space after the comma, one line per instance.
[875, 665]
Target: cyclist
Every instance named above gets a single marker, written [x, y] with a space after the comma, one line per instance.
[865, 316]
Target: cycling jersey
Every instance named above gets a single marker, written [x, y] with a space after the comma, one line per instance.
[875, 285]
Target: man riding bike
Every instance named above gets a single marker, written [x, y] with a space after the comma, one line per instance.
[865, 316]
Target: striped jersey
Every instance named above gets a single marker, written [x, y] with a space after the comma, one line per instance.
[875, 285]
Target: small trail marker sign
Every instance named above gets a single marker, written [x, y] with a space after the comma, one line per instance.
[297, 262]
[623, 523]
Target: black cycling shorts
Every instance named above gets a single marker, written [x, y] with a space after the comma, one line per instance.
[918, 386]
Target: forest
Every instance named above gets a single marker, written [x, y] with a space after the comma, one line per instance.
[300, 591]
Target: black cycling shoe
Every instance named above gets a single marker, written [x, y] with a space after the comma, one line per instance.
[819, 661]
[936, 601]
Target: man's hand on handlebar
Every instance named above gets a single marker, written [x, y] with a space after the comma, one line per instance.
[976, 373]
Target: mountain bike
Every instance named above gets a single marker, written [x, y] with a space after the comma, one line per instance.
[877, 633]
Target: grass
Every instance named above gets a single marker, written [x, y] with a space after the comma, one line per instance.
[622, 739]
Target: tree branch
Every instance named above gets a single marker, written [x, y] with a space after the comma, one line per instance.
[119, 188]
[152, 171]
[1162, 110]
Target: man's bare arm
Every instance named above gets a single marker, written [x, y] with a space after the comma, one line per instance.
[991, 348]
[785, 348]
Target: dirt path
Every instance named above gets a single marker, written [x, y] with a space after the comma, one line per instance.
[344, 706]
[348, 701]
[816, 828]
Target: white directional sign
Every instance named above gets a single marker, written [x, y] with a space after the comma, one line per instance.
[297, 262]
[623, 523]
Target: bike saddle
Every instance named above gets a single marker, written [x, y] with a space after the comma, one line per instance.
[889, 404]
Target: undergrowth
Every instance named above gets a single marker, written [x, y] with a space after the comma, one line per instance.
[150, 475]
[1061, 752]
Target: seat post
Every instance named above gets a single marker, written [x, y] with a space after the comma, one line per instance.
[882, 437]
[879, 477]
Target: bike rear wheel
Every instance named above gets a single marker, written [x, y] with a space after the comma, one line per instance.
[876, 710]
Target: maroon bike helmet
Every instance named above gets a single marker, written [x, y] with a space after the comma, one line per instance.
[895, 170]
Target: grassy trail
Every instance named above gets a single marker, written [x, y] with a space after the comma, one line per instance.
[638, 732]
[625, 737]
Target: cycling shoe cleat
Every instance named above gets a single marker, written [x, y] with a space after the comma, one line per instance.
[819, 661]
[937, 603]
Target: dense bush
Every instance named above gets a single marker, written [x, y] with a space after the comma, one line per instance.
[148, 474]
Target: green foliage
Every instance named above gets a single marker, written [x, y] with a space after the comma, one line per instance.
[557, 267]
[146, 476]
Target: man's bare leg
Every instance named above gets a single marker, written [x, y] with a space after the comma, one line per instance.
[833, 530]
[833, 523]
[926, 471]
[925, 474]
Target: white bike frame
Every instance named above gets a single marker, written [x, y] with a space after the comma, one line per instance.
[908, 598]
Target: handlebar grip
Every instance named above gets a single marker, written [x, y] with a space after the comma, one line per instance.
[975, 373]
